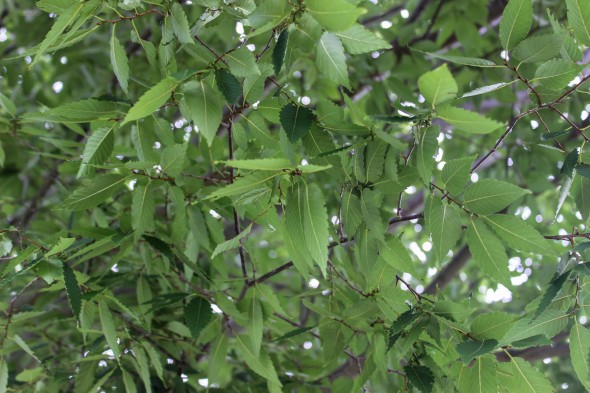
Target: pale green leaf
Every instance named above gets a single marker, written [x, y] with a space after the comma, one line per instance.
[444, 224]
[468, 61]
[357, 39]
[331, 60]
[526, 378]
[173, 158]
[488, 252]
[549, 323]
[556, 74]
[255, 323]
[128, 381]
[467, 121]
[578, 15]
[87, 110]
[260, 364]
[242, 63]
[485, 89]
[261, 164]
[438, 86]
[516, 22]
[144, 368]
[334, 15]
[396, 254]
[217, 359]
[243, 184]
[519, 235]
[455, 174]
[375, 160]
[119, 61]
[63, 244]
[108, 328]
[492, 325]
[351, 212]
[204, 106]
[370, 207]
[426, 148]
[142, 209]
[98, 148]
[231, 243]
[539, 48]
[180, 24]
[152, 100]
[580, 352]
[490, 196]
[93, 192]
[3, 375]
[480, 377]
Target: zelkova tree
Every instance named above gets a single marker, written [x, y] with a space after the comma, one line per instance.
[294, 196]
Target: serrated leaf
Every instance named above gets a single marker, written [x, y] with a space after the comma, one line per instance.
[479, 378]
[63, 244]
[375, 160]
[539, 48]
[351, 212]
[197, 315]
[87, 110]
[548, 323]
[334, 15]
[425, 150]
[152, 100]
[556, 74]
[254, 84]
[243, 185]
[296, 121]
[438, 86]
[492, 325]
[262, 164]
[469, 349]
[468, 61]
[570, 162]
[229, 85]
[580, 352]
[217, 359]
[255, 323]
[488, 252]
[108, 328]
[261, 364]
[485, 89]
[455, 174]
[527, 379]
[98, 148]
[72, 290]
[549, 135]
[470, 122]
[173, 158]
[396, 255]
[180, 24]
[357, 39]
[128, 381]
[231, 243]
[516, 22]
[119, 61]
[490, 196]
[333, 342]
[278, 53]
[242, 63]
[578, 16]
[3, 375]
[370, 207]
[93, 192]
[444, 224]
[142, 209]
[144, 368]
[331, 60]
[204, 106]
[420, 377]
[519, 235]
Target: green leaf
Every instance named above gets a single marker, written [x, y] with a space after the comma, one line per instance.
[527, 379]
[492, 325]
[438, 86]
[539, 48]
[444, 224]
[142, 209]
[467, 121]
[98, 148]
[278, 53]
[254, 84]
[375, 160]
[370, 207]
[358, 39]
[3, 375]
[63, 244]
[108, 328]
[331, 60]
[229, 85]
[217, 359]
[130, 386]
[516, 22]
[152, 100]
[420, 377]
[580, 352]
[426, 148]
[242, 63]
[468, 61]
[488, 252]
[144, 368]
[119, 61]
[306, 219]
[396, 254]
[155, 360]
[334, 15]
[296, 121]
[72, 290]
[333, 341]
[490, 196]
[455, 174]
[570, 162]
[549, 323]
[231, 243]
[261, 364]
[204, 106]
[243, 184]
[197, 315]
[180, 24]
[485, 89]
[469, 349]
[173, 158]
[255, 323]
[519, 235]
[87, 110]
[93, 192]
[351, 212]
[261, 164]
[480, 377]
[578, 16]
[556, 74]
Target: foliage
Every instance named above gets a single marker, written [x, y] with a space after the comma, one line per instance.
[279, 195]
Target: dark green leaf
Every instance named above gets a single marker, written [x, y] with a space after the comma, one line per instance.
[296, 121]
[278, 53]
[197, 315]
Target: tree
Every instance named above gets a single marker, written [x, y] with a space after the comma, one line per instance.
[296, 196]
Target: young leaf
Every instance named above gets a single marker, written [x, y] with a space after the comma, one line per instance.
[334, 15]
[519, 235]
[152, 100]
[296, 121]
[93, 192]
[180, 24]
[173, 158]
[516, 22]
[426, 149]
[142, 209]
[580, 352]
[488, 252]
[119, 61]
[470, 122]
[108, 328]
[331, 60]
[229, 85]
[358, 39]
[278, 53]
[197, 315]
[72, 290]
[455, 174]
[438, 86]
[204, 107]
[578, 16]
[490, 196]
[539, 48]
